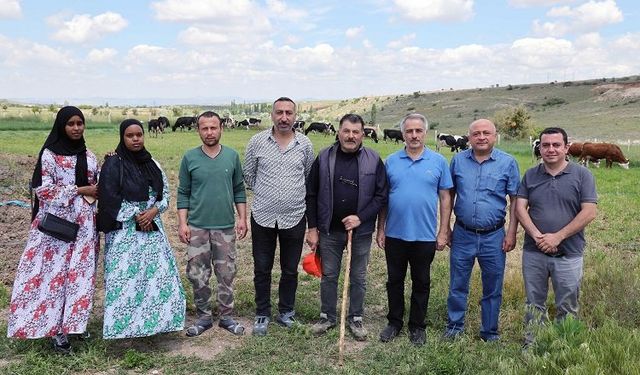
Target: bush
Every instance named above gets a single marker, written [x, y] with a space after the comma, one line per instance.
[514, 122]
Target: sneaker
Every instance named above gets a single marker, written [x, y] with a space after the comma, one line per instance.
[451, 334]
[260, 325]
[492, 338]
[61, 344]
[417, 337]
[322, 326]
[389, 333]
[286, 319]
[357, 329]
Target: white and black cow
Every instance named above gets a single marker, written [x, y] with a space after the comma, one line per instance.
[251, 121]
[298, 126]
[454, 142]
[535, 150]
[228, 122]
[320, 127]
[371, 133]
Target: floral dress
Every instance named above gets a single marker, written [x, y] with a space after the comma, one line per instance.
[54, 285]
[143, 291]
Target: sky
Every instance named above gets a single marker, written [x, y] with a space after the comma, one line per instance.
[188, 51]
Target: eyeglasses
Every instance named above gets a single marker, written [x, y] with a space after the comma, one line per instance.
[347, 181]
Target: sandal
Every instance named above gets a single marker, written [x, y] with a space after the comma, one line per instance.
[61, 344]
[198, 328]
[232, 326]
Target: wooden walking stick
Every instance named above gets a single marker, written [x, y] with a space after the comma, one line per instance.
[345, 295]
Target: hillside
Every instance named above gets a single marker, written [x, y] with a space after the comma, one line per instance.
[603, 109]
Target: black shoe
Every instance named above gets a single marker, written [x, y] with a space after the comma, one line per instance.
[61, 344]
[417, 337]
[389, 333]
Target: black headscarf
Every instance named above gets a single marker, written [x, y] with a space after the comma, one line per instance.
[126, 176]
[60, 144]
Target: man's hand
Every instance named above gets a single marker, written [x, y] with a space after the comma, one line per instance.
[184, 232]
[88, 191]
[351, 222]
[312, 239]
[380, 237]
[443, 239]
[549, 242]
[241, 229]
[509, 242]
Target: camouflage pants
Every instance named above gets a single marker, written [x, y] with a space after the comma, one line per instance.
[209, 247]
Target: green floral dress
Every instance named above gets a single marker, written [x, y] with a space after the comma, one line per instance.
[143, 292]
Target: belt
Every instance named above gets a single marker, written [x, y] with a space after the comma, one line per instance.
[480, 230]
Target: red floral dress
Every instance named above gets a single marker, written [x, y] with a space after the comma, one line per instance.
[55, 281]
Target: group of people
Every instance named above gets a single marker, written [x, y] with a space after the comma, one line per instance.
[346, 191]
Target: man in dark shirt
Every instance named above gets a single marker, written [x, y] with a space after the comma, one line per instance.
[346, 188]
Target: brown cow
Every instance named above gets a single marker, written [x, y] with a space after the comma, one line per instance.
[575, 150]
[610, 152]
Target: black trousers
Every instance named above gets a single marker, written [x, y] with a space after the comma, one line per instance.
[418, 255]
[263, 241]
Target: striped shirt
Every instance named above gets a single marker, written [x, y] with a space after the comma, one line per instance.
[277, 178]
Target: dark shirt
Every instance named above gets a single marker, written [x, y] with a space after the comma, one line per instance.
[345, 188]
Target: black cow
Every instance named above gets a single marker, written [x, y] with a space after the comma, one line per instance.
[164, 122]
[371, 133]
[155, 127]
[394, 134]
[455, 142]
[184, 122]
[298, 125]
[320, 127]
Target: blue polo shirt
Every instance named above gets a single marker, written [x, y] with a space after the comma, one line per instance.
[481, 188]
[413, 194]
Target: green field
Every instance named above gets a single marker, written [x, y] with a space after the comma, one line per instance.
[606, 340]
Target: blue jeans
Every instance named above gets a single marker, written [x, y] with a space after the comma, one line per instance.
[466, 247]
[331, 246]
[263, 241]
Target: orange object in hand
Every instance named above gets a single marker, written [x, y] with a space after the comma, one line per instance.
[312, 265]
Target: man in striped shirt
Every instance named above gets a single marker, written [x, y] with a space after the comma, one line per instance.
[277, 162]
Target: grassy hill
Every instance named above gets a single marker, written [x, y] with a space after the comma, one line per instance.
[607, 109]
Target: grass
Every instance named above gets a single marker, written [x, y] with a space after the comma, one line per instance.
[606, 339]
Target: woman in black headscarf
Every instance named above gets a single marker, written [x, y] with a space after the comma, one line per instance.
[143, 292]
[53, 290]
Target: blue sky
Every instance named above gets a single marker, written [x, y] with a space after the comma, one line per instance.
[201, 50]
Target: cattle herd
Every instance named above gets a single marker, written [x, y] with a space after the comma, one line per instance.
[586, 153]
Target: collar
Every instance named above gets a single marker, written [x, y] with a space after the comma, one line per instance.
[423, 155]
[469, 154]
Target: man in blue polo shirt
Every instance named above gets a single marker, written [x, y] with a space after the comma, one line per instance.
[483, 177]
[419, 179]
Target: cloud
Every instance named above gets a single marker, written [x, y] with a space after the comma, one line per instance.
[10, 9]
[542, 52]
[354, 32]
[628, 42]
[590, 16]
[402, 42]
[435, 10]
[101, 55]
[84, 28]
[196, 35]
[280, 8]
[536, 3]
[589, 40]
[203, 10]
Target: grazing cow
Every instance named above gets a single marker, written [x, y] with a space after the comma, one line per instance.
[371, 133]
[575, 150]
[609, 151]
[298, 126]
[394, 134]
[455, 142]
[252, 121]
[164, 122]
[184, 122]
[320, 127]
[228, 122]
[155, 127]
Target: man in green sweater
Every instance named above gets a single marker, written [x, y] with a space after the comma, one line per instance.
[211, 183]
